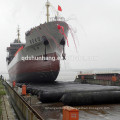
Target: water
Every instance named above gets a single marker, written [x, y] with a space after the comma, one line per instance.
[67, 75]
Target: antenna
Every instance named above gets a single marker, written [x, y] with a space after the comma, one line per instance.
[47, 6]
[18, 33]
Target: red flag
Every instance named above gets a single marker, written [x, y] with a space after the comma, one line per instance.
[61, 30]
[59, 8]
[18, 50]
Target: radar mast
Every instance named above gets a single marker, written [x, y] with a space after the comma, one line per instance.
[18, 34]
[47, 6]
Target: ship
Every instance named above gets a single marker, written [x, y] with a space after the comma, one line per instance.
[38, 60]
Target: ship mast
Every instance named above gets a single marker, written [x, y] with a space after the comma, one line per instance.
[47, 6]
[18, 34]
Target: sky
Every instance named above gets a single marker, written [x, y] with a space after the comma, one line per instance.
[95, 23]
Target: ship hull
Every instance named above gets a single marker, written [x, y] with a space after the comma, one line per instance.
[37, 77]
[37, 71]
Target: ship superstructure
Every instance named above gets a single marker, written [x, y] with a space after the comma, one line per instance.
[14, 47]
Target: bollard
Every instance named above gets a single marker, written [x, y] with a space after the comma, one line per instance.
[23, 89]
[70, 113]
[13, 84]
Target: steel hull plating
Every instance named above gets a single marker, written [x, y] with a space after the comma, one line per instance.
[35, 70]
[39, 70]
[37, 77]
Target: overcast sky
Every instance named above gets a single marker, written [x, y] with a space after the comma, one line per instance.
[96, 25]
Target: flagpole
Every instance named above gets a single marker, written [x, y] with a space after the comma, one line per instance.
[57, 13]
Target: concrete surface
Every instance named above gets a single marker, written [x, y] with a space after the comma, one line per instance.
[7, 111]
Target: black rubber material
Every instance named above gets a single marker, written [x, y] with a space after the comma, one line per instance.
[87, 98]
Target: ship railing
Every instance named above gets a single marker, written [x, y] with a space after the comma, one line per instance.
[57, 19]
